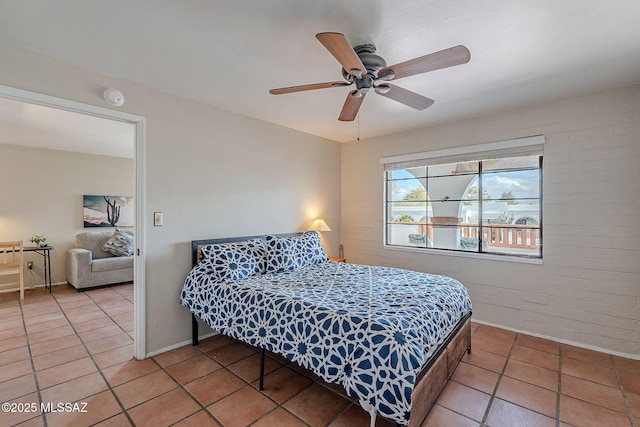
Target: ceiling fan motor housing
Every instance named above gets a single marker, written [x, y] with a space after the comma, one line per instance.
[371, 61]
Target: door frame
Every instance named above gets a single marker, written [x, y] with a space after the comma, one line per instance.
[139, 288]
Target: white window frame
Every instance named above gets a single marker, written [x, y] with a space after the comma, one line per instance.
[532, 145]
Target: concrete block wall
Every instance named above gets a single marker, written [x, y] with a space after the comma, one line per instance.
[587, 289]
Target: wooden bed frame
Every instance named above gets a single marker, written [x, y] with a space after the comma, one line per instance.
[430, 381]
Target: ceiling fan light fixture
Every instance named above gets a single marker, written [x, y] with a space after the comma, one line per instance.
[356, 72]
[382, 89]
[387, 75]
[365, 83]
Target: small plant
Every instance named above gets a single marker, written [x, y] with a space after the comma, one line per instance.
[404, 218]
[38, 240]
[506, 218]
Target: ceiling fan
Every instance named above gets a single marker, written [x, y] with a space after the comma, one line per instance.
[361, 65]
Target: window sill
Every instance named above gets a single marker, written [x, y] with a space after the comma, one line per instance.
[474, 255]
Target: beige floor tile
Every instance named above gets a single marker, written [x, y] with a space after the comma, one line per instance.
[580, 413]
[154, 412]
[15, 370]
[65, 372]
[144, 388]
[242, 407]
[505, 414]
[98, 408]
[316, 405]
[114, 357]
[200, 419]
[75, 390]
[464, 400]
[283, 383]
[528, 395]
[59, 357]
[130, 370]
[193, 368]
[214, 386]
[16, 387]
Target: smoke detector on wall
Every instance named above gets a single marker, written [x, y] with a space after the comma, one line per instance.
[114, 97]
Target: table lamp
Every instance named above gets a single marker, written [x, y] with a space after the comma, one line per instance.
[319, 225]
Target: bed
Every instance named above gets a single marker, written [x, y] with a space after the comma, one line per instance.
[390, 337]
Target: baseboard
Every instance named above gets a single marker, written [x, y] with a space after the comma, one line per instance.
[180, 344]
[29, 287]
[561, 341]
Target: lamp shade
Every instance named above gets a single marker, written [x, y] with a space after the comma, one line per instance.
[319, 225]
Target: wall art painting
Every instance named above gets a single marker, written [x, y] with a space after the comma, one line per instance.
[108, 211]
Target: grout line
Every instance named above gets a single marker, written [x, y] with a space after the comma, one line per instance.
[624, 394]
[278, 405]
[109, 388]
[286, 364]
[618, 378]
[109, 316]
[473, 332]
[495, 389]
[222, 367]
[182, 386]
[33, 368]
[559, 392]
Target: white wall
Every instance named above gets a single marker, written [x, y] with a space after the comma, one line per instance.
[588, 288]
[42, 194]
[212, 173]
[201, 161]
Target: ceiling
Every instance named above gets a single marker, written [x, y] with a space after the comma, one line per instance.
[230, 53]
[37, 126]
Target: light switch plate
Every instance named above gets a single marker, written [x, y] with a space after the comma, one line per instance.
[158, 219]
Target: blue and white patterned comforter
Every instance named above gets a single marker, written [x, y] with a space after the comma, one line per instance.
[369, 329]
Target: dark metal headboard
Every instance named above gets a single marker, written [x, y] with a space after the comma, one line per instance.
[196, 245]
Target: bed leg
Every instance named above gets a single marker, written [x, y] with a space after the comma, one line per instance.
[194, 330]
[262, 351]
[469, 350]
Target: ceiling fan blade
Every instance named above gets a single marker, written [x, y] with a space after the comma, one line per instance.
[351, 106]
[301, 88]
[339, 47]
[434, 61]
[406, 97]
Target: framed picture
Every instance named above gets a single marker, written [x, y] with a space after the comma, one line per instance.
[108, 211]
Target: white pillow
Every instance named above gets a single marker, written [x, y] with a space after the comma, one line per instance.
[120, 244]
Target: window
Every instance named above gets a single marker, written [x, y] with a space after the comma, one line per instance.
[483, 201]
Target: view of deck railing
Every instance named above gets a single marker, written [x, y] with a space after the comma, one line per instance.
[505, 235]
[516, 236]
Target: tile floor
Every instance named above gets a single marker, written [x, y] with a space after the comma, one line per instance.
[77, 347]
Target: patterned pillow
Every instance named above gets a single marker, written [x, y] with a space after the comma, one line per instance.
[231, 262]
[282, 253]
[120, 244]
[208, 251]
[310, 250]
[291, 253]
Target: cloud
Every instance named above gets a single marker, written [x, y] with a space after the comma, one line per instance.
[507, 183]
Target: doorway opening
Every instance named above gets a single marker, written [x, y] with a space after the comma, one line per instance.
[138, 124]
